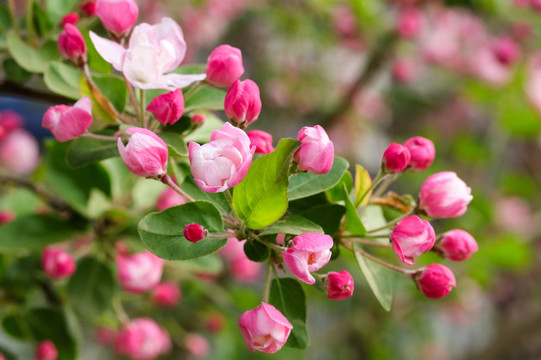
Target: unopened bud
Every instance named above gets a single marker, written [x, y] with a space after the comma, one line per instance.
[194, 232]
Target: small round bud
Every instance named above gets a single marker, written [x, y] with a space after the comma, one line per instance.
[194, 232]
[339, 285]
[395, 158]
[456, 245]
[46, 350]
[435, 281]
[198, 120]
[242, 103]
[422, 152]
[224, 66]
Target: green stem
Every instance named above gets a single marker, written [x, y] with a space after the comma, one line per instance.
[391, 223]
[144, 119]
[11, 5]
[100, 137]
[384, 263]
[229, 197]
[370, 243]
[30, 33]
[167, 180]
[132, 98]
[266, 289]
[119, 311]
[379, 177]
[266, 243]
[193, 90]
[385, 184]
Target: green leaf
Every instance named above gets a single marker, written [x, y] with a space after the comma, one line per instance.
[14, 71]
[205, 98]
[327, 216]
[35, 60]
[175, 143]
[379, 278]
[363, 181]
[261, 198]
[256, 251]
[92, 287]
[353, 223]
[202, 134]
[113, 89]
[43, 324]
[162, 232]
[101, 115]
[34, 231]
[217, 199]
[73, 185]
[5, 19]
[95, 61]
[84, 151]
[293, 224]
[191, 69]
[288, 297]
[58, 8]
[63, 79]
[306, 184]
[335, 193]
[42, 22]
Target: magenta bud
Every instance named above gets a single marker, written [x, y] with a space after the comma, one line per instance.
[412, 237]
[194, 232]
[456, 245]
[409, 23]
[68, 122]
[242, 103]
[57, 263]
[46, 350]
[69, 18]
[316, 153]
[167, 108]
[71, 44]
[506, 50]
[117, 16]
[395, 158]
[422, 152]
[262, 141]
[6, 216]
[145, 154]
[224, 66]
[89, 8]
[339, 285]
[166, 294]
[198, 119]
[435, 281]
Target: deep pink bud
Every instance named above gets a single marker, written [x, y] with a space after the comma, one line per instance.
[46, 350]
[198, 119]
[395, 158]
[444, 195]
[409, 22]
[10, 121]
[194, 232]
[142, 339]
[139, 272]
[197, 345]
[57, 263]
[435, 281]
[69, 18]
[224, 66]
[340, 285]
[169, 198]
[309, 252]
[6, 216]
[166, 294]
[89, 8]
[117, 16]
[167, 108]
[316, 153]
[422, 152]
[412, 237]
[71, 44]
[68, 122]
[265, 328]
[242, 102]
[456, 245]
[506, 50]
[145, 154]
[262, 141]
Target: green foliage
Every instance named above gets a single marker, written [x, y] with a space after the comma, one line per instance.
[114, 89]
[34, 60]
[261, 198]
[58, 8]
[162, 232]
[307, 184]
[326, 216]
[63, 79]
[353, 223]
[363, 181]
[293, 224]
[217, 199]
[175, 143]
[287, 295]
[205, 99]
[256, 251]
[14, 71]
[84, 151]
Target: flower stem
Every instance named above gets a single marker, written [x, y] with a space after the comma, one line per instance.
[167, 180]
[119, 311]
[389, 179]
[266, 243]
[370, 243]
[11, 5]
[390, 224]
[144, 119]
[132, 98]
[229, 197]
[193, 90]
[384, 263]
[379, 177]
[100, 137]
[266, 289]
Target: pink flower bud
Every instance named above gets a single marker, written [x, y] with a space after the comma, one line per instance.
[194, 232]
[57, 263]
[224, 66]
[197, 345]
[412, 237]
[444, 195]
[6, 216]
[403, 70]
[422, 152]
[309, 253]
[435, 281]
[409, 23]
[10, 120]
[198, 120]
[340, 285]
[224, 161]
[19, 152]
[167, 108]
[262, 141]
[316, 153]
[506, 50]
[264, 328]
[139, 272]
[142, 339]
[395, 158]
[71, 44]
[69, 18]
[166, 294]
[456, 245]
[89, 8]
[242, 103]
[117, 16]
[169, 198]
[68, 122]
[146, 154]
[46, 350]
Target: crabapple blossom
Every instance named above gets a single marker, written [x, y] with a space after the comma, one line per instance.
[316, 153]
[142, 339]
[197, 345]
[57, 263]
[117, 16]
[166, 294]
[309, 252]
[139, 272]
[422, 152]
[444, 195]
[262, 141]
[412, 237]
[339, 285]
[69, 18]
[167, 108]
[224, 66]
[71, 44]
[145, 154]
[169, 198]
[46, 350]
[435, 281]
[19, 152]
[194, 232]
[68, 122]
[242, 103]
[456, 245]
[395, 158]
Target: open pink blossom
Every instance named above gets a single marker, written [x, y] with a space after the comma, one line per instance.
[68, 122]
[139, 272]
[435, 281]
[444, 195]
[339, 285]
[265, 328]
[456, 245]
[145, 154]
[224, 161]
[309, 253]
[57, 263]
[412, 237]
[153, 51]
[142, 339]
[316, 153]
